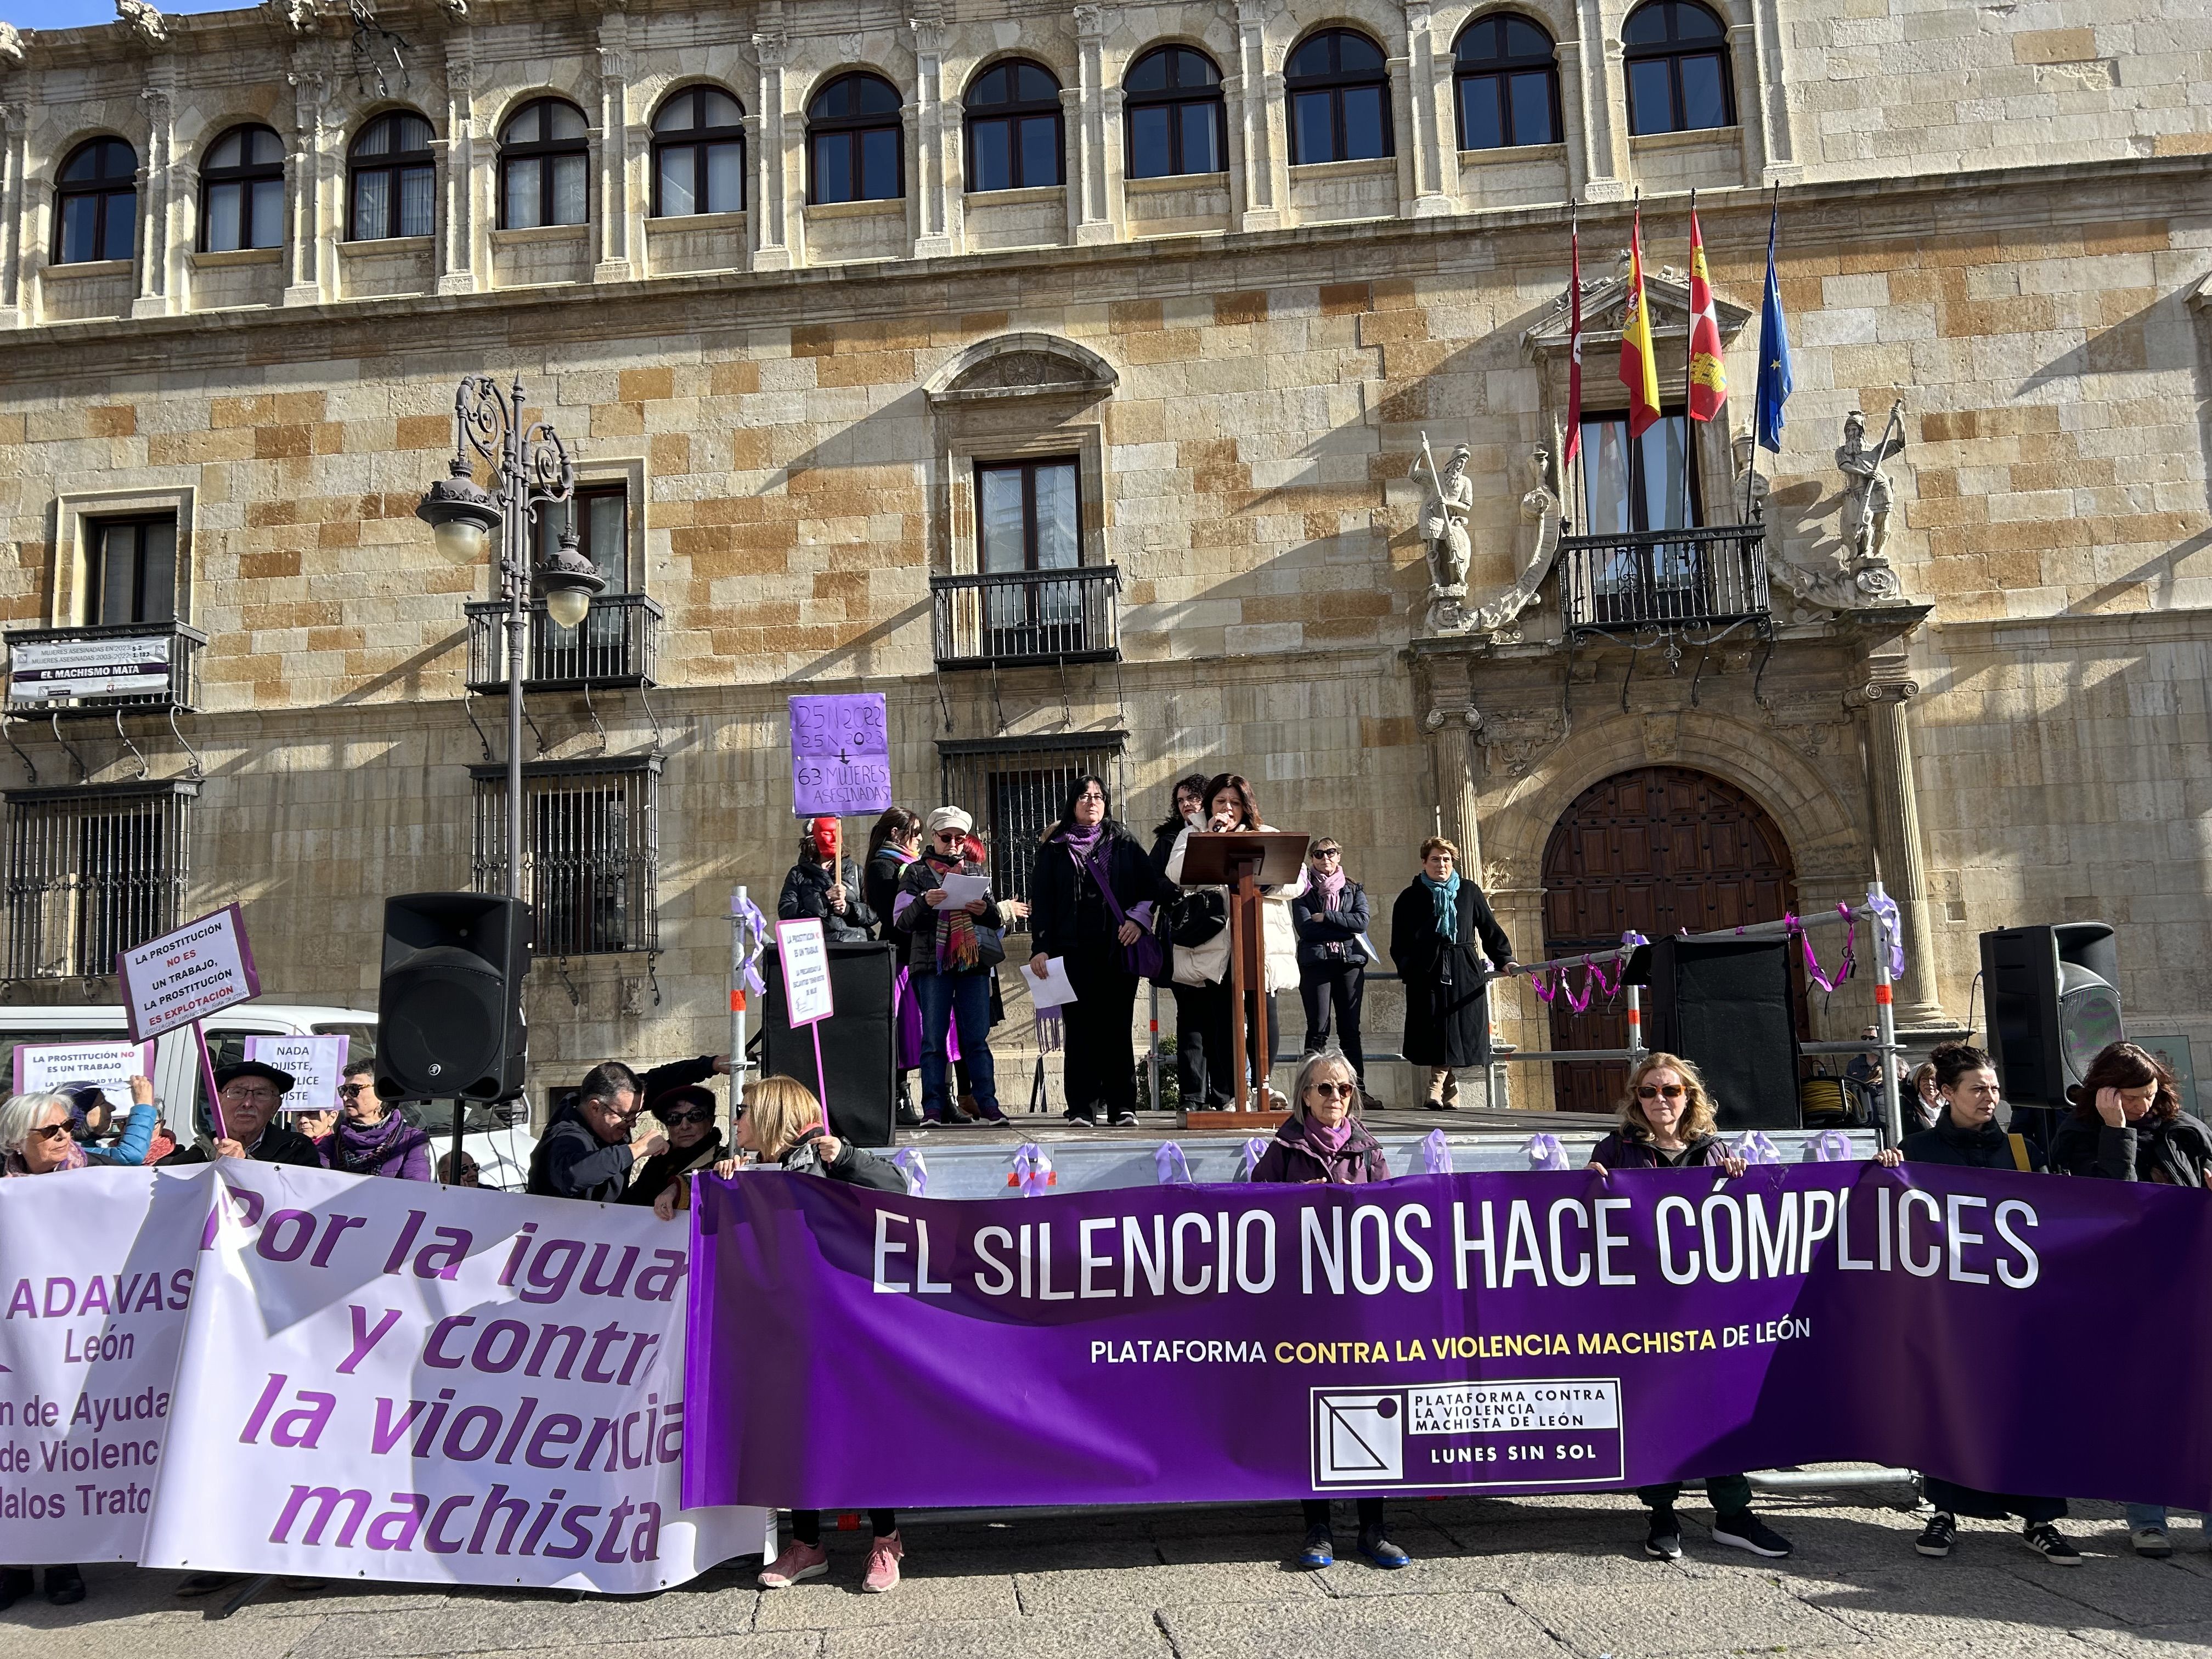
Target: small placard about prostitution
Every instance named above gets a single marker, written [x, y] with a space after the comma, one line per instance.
[187, 974]
[840, 755]
[41, 1067]
[805, 959]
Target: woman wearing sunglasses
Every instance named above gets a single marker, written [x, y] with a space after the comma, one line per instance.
[694, 1142]
[1325, 1144]
[1667, 1123]
[949, 952]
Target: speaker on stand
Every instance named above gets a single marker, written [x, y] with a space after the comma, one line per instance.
[2054, 1004]
[449, 1020]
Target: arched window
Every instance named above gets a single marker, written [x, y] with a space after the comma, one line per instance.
[242, 192]
[1176, 122]
[1508, 84]
[390, 188]
[1014, 139]
[1340, 95]
[855, 145]
[96, 205]
[1676, 53]
[544, 166]
[699, 155]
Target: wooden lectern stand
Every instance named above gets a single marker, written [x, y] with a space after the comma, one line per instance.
[1244, 861]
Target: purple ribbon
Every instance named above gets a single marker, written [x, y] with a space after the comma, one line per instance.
[757, 930]
[1595, 978]
[1846, 965]
[1436, 1153]
[1032, 1170]
[1833, 1146]
[1545, 1152]
[1757, 1148]
[1170, 1167]
[1248, 1158]
[907, 1159]
[1893, 929]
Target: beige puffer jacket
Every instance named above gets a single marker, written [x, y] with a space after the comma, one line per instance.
[1208, 963]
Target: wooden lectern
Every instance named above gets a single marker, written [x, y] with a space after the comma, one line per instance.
[1243, 861]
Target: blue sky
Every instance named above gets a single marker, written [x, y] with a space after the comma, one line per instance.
[75, 14]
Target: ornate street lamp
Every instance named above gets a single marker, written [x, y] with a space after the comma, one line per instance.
[529, 468]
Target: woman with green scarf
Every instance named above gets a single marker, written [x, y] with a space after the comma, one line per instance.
[1445, 942]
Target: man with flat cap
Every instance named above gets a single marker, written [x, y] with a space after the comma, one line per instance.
[250, 1092]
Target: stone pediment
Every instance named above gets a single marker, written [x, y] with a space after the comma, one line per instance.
[1022, 366]
[1605, 303]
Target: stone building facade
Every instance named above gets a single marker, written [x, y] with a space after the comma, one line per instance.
[1198, 368]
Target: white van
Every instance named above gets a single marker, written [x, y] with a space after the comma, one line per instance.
[502, 1153]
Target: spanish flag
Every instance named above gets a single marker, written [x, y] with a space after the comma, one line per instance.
[1639, 364]
[1708, 374]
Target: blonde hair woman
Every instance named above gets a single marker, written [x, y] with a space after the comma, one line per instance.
[1667, 1123]
[782, 1122]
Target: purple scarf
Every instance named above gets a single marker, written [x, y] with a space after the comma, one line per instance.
[1330, 1141]
[1080, 843]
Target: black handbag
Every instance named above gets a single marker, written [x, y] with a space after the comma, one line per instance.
[1199, 916]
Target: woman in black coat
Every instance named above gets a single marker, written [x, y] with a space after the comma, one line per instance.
[831, 897]
[1092, 894]
[2127, 1124]
[1441, 932]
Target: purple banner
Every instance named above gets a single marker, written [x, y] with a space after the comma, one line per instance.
[840, 755]
[1445, 1333]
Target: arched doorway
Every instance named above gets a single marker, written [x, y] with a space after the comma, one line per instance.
[1657, 849]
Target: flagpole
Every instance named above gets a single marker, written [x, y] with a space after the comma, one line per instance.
[1689, 350]
[1758, 385]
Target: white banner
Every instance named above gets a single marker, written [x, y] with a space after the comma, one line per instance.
[399, 1381]
[96, 1266]
[47, 671]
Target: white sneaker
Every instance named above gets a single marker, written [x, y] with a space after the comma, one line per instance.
[2151, 1541]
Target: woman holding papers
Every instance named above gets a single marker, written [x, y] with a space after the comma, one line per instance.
[951, 926]
[1092, 894]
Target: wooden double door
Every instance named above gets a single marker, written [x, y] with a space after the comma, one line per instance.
[1657, 849]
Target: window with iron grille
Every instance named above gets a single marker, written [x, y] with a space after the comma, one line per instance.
[593, 844]
[91, 871]
[1014, 789]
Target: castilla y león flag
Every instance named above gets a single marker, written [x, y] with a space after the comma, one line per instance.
[1708, 374]
[1639, 364]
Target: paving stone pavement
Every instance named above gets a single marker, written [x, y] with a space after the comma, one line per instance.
[1509, 1578]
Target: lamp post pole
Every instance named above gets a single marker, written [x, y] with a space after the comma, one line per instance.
[530, 468]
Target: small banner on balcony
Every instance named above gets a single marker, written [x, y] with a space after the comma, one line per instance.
[840, 755]
[55, 671]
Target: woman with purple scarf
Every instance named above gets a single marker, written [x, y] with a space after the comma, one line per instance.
[369, 1138]
[1092, 895]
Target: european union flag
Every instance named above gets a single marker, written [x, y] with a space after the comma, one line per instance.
[1775, 380]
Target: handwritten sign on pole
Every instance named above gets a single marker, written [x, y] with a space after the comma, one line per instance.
[315, 1063]
[108, 1066]
[840, 755]
[186, 976]
[805, 957]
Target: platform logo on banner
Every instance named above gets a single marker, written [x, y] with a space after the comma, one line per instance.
[1563, 1431]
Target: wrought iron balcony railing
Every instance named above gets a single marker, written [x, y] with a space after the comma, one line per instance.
[1663, 578]
[1027, 616]
[116, 666]
[615, 646]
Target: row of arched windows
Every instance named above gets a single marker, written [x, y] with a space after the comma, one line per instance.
[1336, 83]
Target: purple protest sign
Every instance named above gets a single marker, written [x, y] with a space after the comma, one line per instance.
[840, 755]
[1439, 1335]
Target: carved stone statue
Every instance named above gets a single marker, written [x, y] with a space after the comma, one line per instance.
[1540, 507]
[1866, 487]
[11, 44]
[143, 20]
[1443, 521]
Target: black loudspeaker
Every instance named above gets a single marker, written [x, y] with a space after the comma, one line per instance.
[860, 1041]
[449, 1022]
[2054, 1003]
[1726, 1007]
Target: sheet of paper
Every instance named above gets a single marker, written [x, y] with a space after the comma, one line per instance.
[1367, 944]
[1054, 990]
[962, 891]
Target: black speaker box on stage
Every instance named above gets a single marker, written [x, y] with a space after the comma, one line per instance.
[1726, 1007]
[2052, 1005]
[859, 1042]
[449, 1022]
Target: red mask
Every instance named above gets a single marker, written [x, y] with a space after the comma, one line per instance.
[824, 834]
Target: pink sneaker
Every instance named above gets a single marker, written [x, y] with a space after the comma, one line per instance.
[884, 1556]
[799, 1561]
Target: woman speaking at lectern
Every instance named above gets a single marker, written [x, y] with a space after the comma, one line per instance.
[1231, 806]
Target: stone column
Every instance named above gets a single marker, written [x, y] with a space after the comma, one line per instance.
[465, 180]
[1260, 178]
[1767, 64]
[309, 252]
[1091, 195]
[1750, 97]
[616, 262]
[157, 189]
[1897, 837]
[1451, 770]
[770, 207]
[933, 181]
[1602, 92]
[15, 212]
[1425, 186]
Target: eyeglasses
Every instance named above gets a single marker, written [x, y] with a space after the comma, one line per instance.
[1653, 1090]
[245, 1096]
[354, 1091]
[1094, 798]
[52, 1131]
[948, 837]
[1335, 1090]
[672, 1119]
